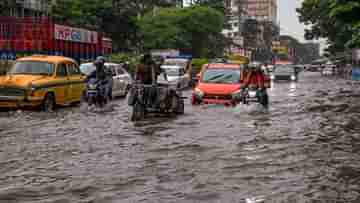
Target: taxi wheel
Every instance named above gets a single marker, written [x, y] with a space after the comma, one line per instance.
[49, 103]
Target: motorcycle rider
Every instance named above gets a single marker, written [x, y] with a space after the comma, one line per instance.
[244, 73]
[255, 78]
[144, 71]
[102, 75]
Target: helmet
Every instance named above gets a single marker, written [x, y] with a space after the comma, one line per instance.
[100, 60]
[255, 65]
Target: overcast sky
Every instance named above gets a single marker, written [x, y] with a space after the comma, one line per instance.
[289, 21]
[288, 18]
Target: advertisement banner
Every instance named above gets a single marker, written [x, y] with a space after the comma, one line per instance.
[165, 53]
[75, 34]
[237, 51]
[356, 73]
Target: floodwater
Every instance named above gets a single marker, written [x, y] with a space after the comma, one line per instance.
[304, 149]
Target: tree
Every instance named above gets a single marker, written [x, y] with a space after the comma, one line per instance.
[347, 13]
[197, 28]
[215, 4]
[336, 20]
[117, 18]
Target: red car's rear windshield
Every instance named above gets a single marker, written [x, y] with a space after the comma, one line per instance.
[222, 76]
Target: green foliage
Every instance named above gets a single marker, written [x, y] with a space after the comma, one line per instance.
[219, 5]
[336, 20]
[198, 63]
[193, 28]
[116, 18]
[149, 24]
[133, 60]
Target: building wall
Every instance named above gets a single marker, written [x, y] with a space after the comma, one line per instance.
[31, 7]
[262, 10]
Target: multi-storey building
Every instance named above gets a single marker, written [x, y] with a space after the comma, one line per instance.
[22, 8]
[236, 19]
[262, 10]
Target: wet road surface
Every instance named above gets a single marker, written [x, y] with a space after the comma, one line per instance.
[305, 149]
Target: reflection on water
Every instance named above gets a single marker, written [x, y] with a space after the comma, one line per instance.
[304, 149]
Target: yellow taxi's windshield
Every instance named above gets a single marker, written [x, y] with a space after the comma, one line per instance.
[32, 68]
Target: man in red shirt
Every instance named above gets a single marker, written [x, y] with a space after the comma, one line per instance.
[255, 79]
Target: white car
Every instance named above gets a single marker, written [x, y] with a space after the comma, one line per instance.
[174, 75]
[121, 78]
[328, 70]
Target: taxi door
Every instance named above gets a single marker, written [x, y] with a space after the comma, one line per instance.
[76, 81]
[61, 85]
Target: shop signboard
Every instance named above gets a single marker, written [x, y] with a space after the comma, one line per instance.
[165, 53]
[67, 33]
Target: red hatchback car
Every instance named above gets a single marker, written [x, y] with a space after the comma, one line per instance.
[218, 84]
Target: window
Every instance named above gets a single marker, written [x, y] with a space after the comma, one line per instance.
[110, 69]
[120, 71]
[72, 69]
[222, 76]
[61, 70]
[33, 68]
[88, 68]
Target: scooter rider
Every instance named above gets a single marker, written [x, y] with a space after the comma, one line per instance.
[102, 75]
[255, 78]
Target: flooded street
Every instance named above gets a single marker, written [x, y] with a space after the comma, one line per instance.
[305, 149]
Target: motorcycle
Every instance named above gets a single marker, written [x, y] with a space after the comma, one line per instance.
[253, 94]
[95, 94]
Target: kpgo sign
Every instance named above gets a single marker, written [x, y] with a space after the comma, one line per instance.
[75, 34]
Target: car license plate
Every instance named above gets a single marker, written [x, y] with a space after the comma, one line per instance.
[252, 94]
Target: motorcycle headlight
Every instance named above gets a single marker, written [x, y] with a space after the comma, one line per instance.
[92, 86]
[293, 77]
[272, 77]
[198, 92]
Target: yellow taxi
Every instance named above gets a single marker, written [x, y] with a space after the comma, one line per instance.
[42, 81]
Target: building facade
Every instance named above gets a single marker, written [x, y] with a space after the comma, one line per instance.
[27, 8]
[237, 17]
[262, 10]
[314, 49]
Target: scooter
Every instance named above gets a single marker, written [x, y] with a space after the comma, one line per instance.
[96, 93]
[253, 94]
